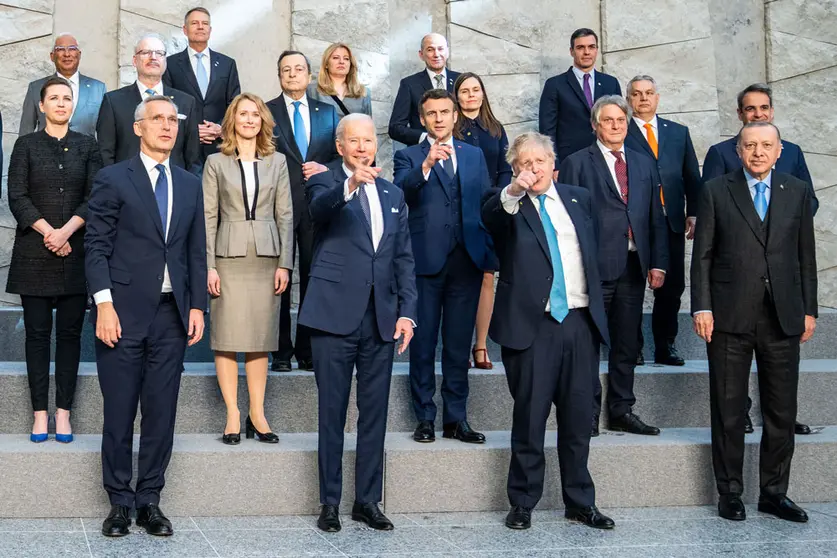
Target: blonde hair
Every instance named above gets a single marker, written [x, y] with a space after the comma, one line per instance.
[353, 87]
[264, 141]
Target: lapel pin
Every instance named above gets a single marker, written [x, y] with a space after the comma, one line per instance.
[386, 191]
[87, 85]
[574, 200]
[782, 186]
[216, 63]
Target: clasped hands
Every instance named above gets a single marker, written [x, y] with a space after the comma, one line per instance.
[57, 241]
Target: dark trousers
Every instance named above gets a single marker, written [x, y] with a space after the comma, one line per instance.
[37, 320]
[557, 369]
[335, 357]
[450, 297]
[667, 297]
[304, 246]
[623, 305]
[730, 357]
[145, 368]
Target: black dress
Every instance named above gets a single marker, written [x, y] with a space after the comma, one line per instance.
[49, 179]
[494, 149]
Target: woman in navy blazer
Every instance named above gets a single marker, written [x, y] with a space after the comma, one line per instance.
[478, 126]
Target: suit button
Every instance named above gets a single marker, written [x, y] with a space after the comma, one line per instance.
[549, 278]
[543, 301]
[159, 278]
[60, 167]
[61, 190]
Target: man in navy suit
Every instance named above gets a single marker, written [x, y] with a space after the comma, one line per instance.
[208, 76]
[670, 146]
[444, 180]
[564, 113]
[361, 298]
[633, 247]
[304, 134]
[405, 123]
[549, 317]
[146, 267]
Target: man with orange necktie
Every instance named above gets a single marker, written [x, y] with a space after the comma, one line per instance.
[670, 145]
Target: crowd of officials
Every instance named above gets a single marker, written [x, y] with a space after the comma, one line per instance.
[178, 194]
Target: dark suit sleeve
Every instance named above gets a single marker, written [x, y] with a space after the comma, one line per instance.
[408, 178]
[1, 138]
[191, 142]
[167, 74]
[504, 170]
[100, 230]
[713, 165]
[29, 114]
[496, 219]
[691, 176]
[324, 193]
[20, 203]
[801, 172]
[659, 225]
[548, 116]
[94, 165]
[404, 266]
[233, 84]
[808, 256]
[197, 256]
[106, 133]
[702, 251]
[334, 121]
[571, 172]
[399, 120]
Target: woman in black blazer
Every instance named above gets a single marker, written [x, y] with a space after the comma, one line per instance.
[50, 175]
[478, 126]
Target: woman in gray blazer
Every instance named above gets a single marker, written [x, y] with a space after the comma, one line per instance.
[249, 235]
[337, 83]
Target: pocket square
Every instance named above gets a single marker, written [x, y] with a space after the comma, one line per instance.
[394, 210]
[181, 116]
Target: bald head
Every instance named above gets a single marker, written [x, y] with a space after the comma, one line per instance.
[65, 55]
[434, 52]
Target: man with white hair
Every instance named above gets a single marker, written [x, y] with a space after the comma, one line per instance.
[115, 128]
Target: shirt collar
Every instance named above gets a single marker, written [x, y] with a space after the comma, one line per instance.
[74, 79]
[607, 151]
[432, 74]
[550, 193]
[158, 89]
[580, 74]
[289, 101]
[432, 140]
[193, 52]
[641, 123]
[150, 163]
[752, 181]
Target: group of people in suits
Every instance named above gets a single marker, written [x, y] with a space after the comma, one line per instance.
[198, 197]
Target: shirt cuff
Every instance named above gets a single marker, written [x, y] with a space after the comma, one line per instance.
[509, 202]
[411, 321]
[102, 296]
[663, 271]
[346, 194]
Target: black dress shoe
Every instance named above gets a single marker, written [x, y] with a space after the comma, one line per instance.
[669, 356]
[783, 508]
[519, 518]
[155, 523]
[594, 433]
[748, 424]
[463, 432]
[731, 507]
[231, 439]
[640, 359]
[305, 364]
[117, 522]
[629, 422]
[591, 517]
[329, 520]
[280, 365]
[424, 432]
[251, 432]
[372, 515]
[802, 429]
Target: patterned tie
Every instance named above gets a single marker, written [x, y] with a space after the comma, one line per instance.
[364, 205]
[161, 192]
[621, 169]
[447, 164]
[761, 200]
[558, 294]
[588, 93]
[203, 79]
[439, 78]
[150, 92]
[299, 131]
[652, 139]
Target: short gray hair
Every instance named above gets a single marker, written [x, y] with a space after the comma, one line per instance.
[607, 100]
[641, 77]
[758, 125]
[348, 119]
[139, 112]
[523, 140]
[149, 36]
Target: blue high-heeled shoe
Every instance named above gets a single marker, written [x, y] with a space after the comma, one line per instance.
[63, 438]
[38, 438]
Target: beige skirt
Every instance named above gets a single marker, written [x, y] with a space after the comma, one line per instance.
[245, 318]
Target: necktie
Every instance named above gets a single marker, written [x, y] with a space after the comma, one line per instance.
[299, 131]
[761, 200]
[203, 79]
[558, 293]
[161, 192]
[447, 164]
[439, 78]
[652, 139]
[588, 92]
[621, 169]
[150, 92]
[364, 205]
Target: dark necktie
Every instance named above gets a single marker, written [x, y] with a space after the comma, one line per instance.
[364, 205]
[447, 164]
[621, 168]
[588, 92]
[161, 192]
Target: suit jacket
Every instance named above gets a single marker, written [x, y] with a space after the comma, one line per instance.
[677, 166]
[223, 88]
[404, 123]
[736, 257]
[431, 220]
[115, 128]
[494, 149]
[564, 115]
[90, 94]
[722, 158]
[526, 267]
[346, 269]
[228, 226]
[643, 212]
[321, 146]
[125, 249]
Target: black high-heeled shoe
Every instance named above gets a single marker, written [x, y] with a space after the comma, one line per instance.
[232, 439]
[266, 437]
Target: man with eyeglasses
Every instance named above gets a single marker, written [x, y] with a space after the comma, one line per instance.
[115, 128]
[87, 92]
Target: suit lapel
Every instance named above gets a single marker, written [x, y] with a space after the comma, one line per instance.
[182, 60]
[177, 205]
[533, 219]
[426, 82]
[386, 210]
[601, 167]
[740, 192]
[636, 133]
[634, 200]
[777, 207]
[578, 219]
[214, 71]
[571, 79]
[283, 122]
[142, 184]
[441, 175]
[662, 135]
[316, 119]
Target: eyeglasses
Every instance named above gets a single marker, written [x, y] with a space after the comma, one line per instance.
[150, 53]
[63, 49]
[160, 119]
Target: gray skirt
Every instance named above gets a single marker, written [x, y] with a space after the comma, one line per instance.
[245, 318]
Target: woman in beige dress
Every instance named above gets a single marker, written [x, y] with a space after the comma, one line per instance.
[249, 234]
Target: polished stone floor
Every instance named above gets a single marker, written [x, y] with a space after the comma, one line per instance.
[640, 532]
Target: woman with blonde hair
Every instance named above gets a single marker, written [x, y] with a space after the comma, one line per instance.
[337, 83]
[249, 235]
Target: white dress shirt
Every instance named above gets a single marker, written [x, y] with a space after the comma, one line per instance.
[575, 279]
[452, 155]
[751, 183]
[641, 123]
[74, 85]
[158, 89]
[105, 295]
[193, 60]
[375, 212]
[579, 75]
[303, 110]
[249, 181]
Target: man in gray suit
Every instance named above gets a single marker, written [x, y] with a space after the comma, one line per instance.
[87, 92]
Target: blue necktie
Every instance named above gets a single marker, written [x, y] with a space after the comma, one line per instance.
[161, 192]
[299, 131]
[558, 294]
[150, 92]
[761, 200]
[203, 79]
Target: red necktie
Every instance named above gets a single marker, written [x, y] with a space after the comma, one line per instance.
[621, 169]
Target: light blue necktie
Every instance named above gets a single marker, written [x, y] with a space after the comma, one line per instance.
[161, 192]
[203, 79]
[761, 200]
[299, 131]
[558, 294]
[150, 92]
